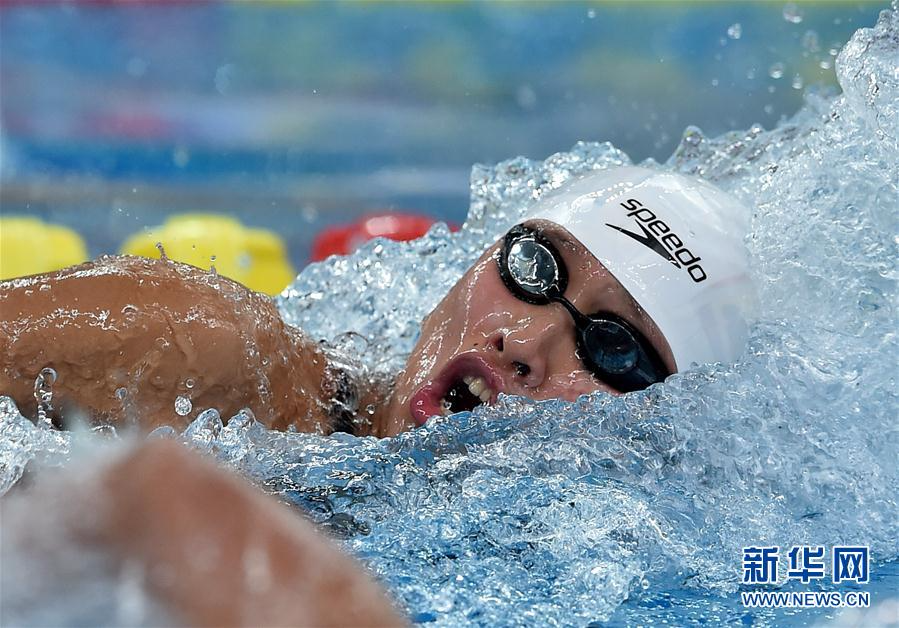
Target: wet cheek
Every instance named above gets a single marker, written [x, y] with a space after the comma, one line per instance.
[482, 309]
[436, 341]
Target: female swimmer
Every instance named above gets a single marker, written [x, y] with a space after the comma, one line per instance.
[615, 281]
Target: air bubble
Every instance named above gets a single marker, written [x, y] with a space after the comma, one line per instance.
[776, 70]
[735, 30]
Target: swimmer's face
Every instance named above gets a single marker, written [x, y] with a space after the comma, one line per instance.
[481, 340]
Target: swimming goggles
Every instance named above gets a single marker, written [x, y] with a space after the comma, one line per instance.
[610, 347]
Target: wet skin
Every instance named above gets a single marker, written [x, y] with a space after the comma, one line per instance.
[481, 330]
[127, 335]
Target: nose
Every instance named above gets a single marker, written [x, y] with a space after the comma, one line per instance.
[533, 346]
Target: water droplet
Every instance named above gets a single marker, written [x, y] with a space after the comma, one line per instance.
[181, 156]
[750, 73]
[121, 393]
[183, 405]
[810, 41]
[792, 13]
[163, 431]
[43, 395]
[129, 313]
[735, 30]
[105, 431]
[714, 82]
[825, 64]
[309, 213]
[776, 70]
[797, 82]
[45, 287]
[693, 136]
[223, 77]
[48, 375]
[591, 14]
[370, 409]
[526, 97]
[188, 383]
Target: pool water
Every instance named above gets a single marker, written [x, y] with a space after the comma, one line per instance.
[624, 510]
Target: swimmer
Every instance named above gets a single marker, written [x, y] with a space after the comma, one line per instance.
[613, 282]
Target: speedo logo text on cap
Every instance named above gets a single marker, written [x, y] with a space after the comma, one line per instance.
[659, 237]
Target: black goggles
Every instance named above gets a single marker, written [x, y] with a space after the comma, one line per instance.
[610, 347]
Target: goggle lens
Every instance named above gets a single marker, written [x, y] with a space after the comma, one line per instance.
[611, 347]
[533, 267]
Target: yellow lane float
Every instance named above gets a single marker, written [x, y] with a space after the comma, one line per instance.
[29, 246]
[256, 258]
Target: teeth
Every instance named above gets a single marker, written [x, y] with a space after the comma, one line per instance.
[478, 387]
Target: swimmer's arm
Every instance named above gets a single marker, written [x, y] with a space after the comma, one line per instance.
[217, 552]
[127, 336]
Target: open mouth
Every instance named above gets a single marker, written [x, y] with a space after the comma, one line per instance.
[467, 382]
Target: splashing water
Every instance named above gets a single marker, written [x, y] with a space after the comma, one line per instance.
[43, 395]
[626, 509]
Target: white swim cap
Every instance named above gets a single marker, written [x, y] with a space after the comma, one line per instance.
[675, 243]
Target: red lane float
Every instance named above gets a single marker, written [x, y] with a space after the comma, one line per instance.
[346, 238]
